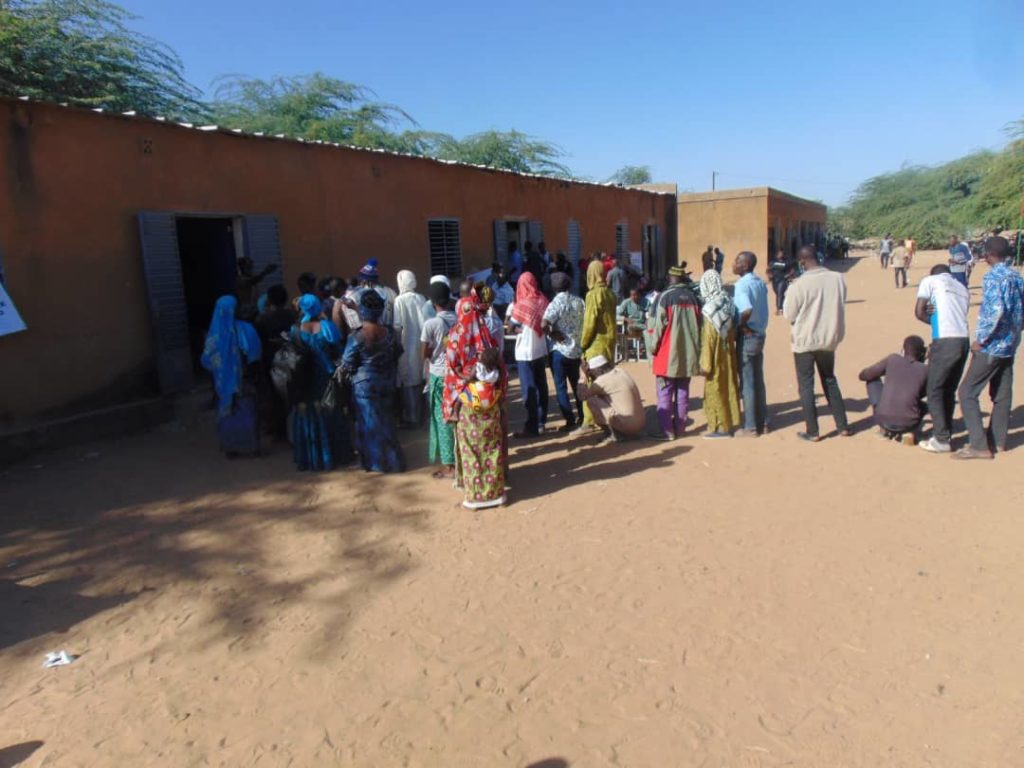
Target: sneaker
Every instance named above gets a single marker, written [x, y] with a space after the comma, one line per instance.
[583, 429]
[746, 433]
[934, 446]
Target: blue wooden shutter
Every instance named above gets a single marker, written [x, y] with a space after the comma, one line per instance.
[535, 230]
[445, 245]
[622, 238]
[263, 246]
[501, 242]
[161, 262]
[575, 251]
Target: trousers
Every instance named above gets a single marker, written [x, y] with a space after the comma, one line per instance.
[673, 404]
[533, 385]
[755, 400]
[946, 360]
[997, 373]
[566, 372]
[825, 362]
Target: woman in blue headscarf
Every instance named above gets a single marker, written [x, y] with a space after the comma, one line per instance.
[371, 364]
[232, 349]
[321, 435]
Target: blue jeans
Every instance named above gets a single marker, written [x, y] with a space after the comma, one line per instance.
[566, 372]
[755, 401]
[533, 386]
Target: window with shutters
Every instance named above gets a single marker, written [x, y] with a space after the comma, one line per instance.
[621, 239]
[445, 247]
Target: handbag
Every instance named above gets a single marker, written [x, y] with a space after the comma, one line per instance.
[337, 391]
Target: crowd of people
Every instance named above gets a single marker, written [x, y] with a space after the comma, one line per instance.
[341, 368]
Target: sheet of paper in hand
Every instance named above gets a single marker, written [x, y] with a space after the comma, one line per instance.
[10, 320]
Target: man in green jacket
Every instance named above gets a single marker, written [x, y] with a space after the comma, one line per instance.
[676, 352]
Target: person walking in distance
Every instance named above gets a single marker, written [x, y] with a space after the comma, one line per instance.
[884, 250]
[942, 303]
[751, 300]
[815, 309]
[900, 260]
[960, 259]
[996, 338]
[781, 271]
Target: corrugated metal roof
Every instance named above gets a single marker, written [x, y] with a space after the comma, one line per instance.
[134, 115]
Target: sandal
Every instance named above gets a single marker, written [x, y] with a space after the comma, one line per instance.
[970, 453]
[444, 474]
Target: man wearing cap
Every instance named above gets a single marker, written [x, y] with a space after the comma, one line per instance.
[676, 351]
[369, 279]
[613, 398]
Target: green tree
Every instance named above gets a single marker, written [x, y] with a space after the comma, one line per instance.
[315, 107]
[82, 52]
[510, 150]
[632, 174]
[971, 194]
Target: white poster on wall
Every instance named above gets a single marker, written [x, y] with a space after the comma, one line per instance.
[636, 260]
[10, 320]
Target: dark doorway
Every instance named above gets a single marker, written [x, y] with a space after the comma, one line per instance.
[209, 269]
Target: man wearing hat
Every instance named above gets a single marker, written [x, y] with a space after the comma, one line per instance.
[613, 398]
[369, 279]
[676, 351]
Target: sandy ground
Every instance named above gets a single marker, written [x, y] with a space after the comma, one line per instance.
[740, 603]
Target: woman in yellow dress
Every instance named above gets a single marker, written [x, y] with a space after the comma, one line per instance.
[718, 358]
[598, 335]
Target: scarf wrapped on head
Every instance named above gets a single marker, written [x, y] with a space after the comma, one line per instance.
[595, 275]
[466, 339]
[312, 311]
[406, 282]
[718, 307]
[230, 346]
[371, 306]
[530, 303]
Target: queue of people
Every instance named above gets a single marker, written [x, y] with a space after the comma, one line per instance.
[337, 371]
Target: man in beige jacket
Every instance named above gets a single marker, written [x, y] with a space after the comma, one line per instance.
[815, 308]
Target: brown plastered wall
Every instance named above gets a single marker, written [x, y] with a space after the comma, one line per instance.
[790, 212]
[733, 224]
[73, 182]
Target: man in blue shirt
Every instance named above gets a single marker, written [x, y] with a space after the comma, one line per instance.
[959, 259]
[514, 267]
[751, 300]
[996, 338]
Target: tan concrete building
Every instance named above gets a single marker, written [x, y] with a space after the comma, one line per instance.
[760, 219]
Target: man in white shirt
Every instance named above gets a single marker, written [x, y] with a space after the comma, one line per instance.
[942, 303]
[563, 322]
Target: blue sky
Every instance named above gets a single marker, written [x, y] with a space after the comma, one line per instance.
[809, 97]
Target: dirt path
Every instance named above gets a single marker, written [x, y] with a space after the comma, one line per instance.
[739, 603]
